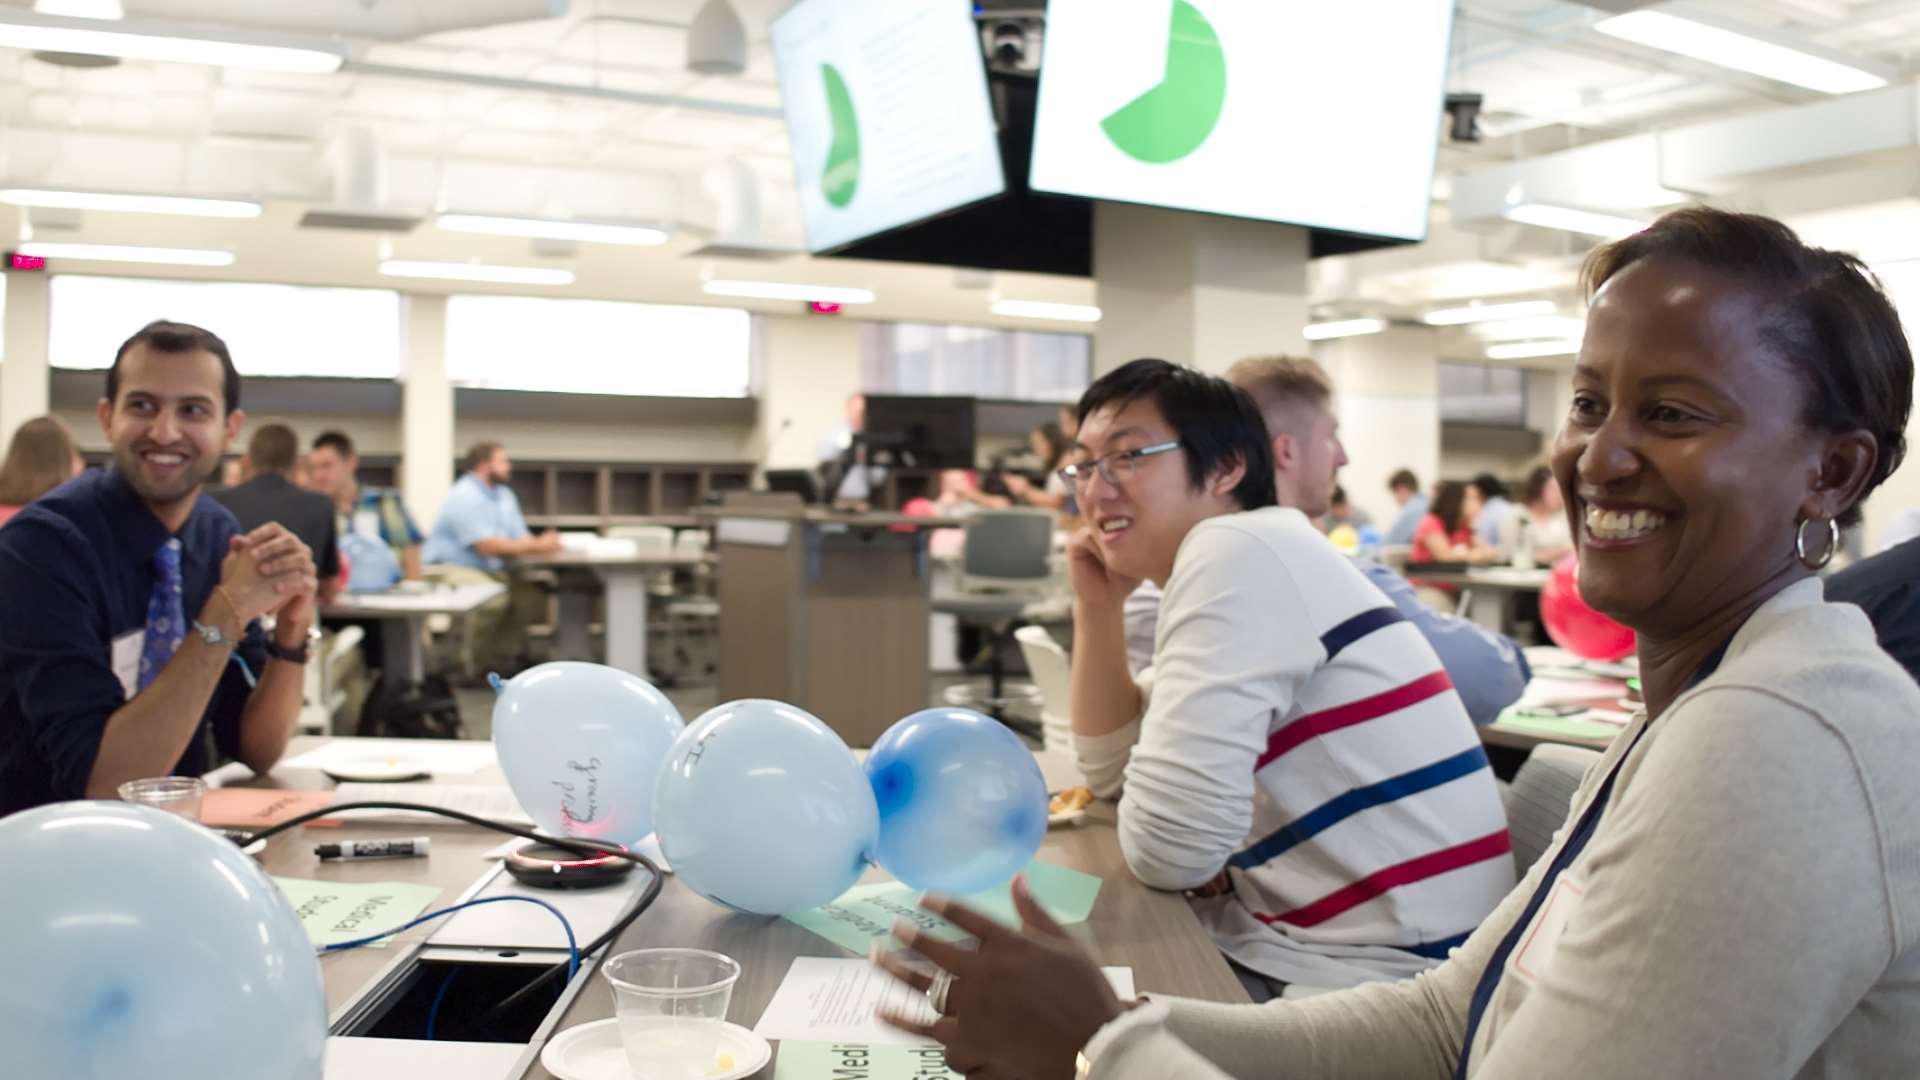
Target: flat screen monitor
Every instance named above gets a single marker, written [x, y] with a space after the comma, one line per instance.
[887, 112]
[1323, 114]
[920, 432]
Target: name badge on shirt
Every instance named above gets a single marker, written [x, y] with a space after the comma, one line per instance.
[125, 654]
[366, 523]
[1537, 949]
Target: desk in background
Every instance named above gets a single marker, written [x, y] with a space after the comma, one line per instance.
[624, 579]
[406, 610]
[1558, 677]
[1487, 591]
[828, 612]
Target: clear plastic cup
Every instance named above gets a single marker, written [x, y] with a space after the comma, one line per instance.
[671, 1003]
[174, 794]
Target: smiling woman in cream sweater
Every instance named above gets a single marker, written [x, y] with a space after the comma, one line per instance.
[1736, 891]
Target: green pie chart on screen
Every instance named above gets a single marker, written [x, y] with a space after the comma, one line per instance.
[1171, 120]
[841, 177]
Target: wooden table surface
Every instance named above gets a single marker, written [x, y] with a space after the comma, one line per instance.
[1155, 933]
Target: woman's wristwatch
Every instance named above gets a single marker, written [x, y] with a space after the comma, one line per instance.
[298, 655]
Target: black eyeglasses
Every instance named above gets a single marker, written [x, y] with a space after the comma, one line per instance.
[1116, 468]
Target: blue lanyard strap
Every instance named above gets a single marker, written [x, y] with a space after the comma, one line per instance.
[1583, 831]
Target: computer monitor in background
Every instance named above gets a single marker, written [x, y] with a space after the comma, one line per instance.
[888, 114]
[1317, 114]
[920, 432]
[799, 482]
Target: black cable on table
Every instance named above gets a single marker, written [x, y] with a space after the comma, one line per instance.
[574, 844]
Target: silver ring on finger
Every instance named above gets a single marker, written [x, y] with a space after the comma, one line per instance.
[938, 990]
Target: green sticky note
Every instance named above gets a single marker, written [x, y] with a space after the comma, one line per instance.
[860, 1061]
[337, 911]
[866, 913]
[1065, 894]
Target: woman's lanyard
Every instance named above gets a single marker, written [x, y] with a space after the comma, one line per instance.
[1583, 831]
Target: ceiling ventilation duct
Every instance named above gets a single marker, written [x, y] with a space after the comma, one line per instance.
[739, 230]
[385, 20]
[359, 165]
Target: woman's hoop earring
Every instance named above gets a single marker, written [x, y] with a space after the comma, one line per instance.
[1800, 543]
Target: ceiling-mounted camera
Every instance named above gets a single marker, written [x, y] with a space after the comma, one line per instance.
[1463, 110]
[1011, 37]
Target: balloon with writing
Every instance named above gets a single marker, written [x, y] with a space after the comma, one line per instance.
[1575, 626]
[962, 804]
[761, 808]
[581, 745]
[138, 943]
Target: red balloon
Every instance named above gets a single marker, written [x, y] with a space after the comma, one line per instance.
[1573, 625]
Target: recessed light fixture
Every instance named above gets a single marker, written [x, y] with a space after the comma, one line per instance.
[1343, 328]
[130, 204]
[1477, 313]
[591, 232]
[1686, 31]
[1040, 309]
[170, 256]
[1525, 350]
[1570, 219]
[488, 272]
[1535, 328]
[168, 43]
[786, 290]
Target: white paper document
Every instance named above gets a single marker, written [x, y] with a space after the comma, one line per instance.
[480, 800]
[431, 756]
[414, 1059]
[834, 1000]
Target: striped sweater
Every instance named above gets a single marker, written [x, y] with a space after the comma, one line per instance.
[1302, 743]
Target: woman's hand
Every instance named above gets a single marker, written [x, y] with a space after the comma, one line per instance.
[1094, 583]
[1022, 1003]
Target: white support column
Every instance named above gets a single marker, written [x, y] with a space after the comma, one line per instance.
[426, 407]
[1388, 397]
[24, 376]
[1196, 289]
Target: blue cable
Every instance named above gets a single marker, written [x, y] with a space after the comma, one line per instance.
[433, 1011]
[573, 948]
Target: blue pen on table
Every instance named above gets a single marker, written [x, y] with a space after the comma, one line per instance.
[402, 848]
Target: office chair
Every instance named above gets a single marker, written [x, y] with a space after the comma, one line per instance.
[1541, 797]
[1052, 673]
[1003, 567]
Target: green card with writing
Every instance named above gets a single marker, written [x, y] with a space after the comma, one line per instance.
[337, 911]
[859, 1061]
[866, 913]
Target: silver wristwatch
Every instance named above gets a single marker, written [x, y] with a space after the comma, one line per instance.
[212, 635]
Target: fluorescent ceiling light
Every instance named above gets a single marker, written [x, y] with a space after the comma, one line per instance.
[1542, 326]
[165, 42]
[47, 249]
[1524, 350]
[781, 290]
[1343, 328]
[131, 204]
[1039, 309]
[489, 272]
[1730, 45]
[1568, 219]
[81, 9]
[1475, 313]
[591, 232]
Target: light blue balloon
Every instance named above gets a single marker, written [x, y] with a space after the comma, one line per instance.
[762, 808]
[135, 943]
[962, 803]
[581, 745]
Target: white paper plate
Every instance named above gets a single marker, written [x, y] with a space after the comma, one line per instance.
[376, 769]
[1067, 817]
[593, 1052]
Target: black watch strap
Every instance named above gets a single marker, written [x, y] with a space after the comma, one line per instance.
[291, 656]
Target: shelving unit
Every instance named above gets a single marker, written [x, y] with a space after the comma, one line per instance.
[577, 495]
